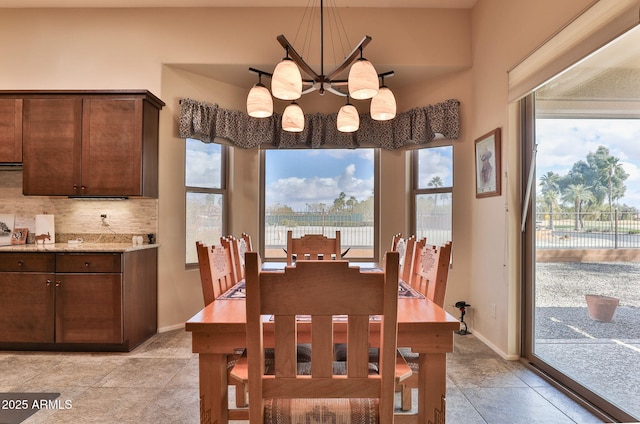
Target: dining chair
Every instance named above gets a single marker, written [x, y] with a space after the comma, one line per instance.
[238, 248]
[394, 242]
[217, 275]
[312, 246]
[428, 275]
[321, 290]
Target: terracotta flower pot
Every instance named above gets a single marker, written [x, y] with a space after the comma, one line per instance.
[601, 308]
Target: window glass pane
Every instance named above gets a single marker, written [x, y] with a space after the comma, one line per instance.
[203, 221]
[433, 217]
[435, 167]
[318, 192]
[203, 164]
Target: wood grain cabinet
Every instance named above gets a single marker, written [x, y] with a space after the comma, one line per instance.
[87, 143]
[27, 297]
[10, 130]
[78, 301]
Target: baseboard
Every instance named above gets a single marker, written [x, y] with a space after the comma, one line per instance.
[171, 328]
[493, 347]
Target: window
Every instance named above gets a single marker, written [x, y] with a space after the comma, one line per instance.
[320, 191]
[432, 193]
[205, 195]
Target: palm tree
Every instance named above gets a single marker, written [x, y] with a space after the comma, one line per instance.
[550, 188]
[577, 193]
[435, 182]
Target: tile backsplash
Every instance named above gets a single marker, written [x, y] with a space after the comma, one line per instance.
[79, 217]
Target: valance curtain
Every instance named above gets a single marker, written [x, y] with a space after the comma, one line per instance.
[206, 121]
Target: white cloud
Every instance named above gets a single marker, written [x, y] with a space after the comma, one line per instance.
[297, 192]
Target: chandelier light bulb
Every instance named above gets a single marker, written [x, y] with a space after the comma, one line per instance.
[363, 80]
[293, 118]
[259, 102]
[383, 105]
[286, 82]
[348, 119]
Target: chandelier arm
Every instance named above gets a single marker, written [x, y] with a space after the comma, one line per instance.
[297, 58]
[336, 91]
[350, 58]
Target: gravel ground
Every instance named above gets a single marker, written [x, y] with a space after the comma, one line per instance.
[602, 356]
[566, 283]
[561, 308]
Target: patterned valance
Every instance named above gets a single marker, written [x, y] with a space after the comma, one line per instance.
[206, 121]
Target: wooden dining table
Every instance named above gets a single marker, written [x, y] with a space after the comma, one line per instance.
[219, 329]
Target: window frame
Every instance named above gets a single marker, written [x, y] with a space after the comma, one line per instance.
[376, 207]
[222, 190]
[417, 191]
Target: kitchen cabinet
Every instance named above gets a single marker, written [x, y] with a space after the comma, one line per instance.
[27, 297]
[89, 143]
[10, 130]
[78, 300]
[88, 298]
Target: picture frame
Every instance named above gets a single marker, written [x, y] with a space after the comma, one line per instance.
[488, 161]
[19, 236]
[6, 228]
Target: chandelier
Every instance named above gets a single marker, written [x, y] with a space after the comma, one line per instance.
[293, 77]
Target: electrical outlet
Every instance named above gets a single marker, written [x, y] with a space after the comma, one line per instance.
[493, 310]
[103, 217]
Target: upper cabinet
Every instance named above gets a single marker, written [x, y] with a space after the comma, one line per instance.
[90, 144]
[10, 130]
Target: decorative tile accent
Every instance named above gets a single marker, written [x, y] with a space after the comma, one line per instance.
[79, 218]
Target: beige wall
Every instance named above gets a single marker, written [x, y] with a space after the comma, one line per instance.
[470, 50]
[504, 32]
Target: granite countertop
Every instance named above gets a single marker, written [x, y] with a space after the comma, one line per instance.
[80, 247]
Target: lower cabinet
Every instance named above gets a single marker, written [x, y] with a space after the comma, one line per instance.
[78, 301]
[27, 297]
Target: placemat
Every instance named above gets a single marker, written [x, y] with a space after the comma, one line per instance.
[405, 291]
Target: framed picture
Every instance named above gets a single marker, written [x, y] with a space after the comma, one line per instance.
[6, 228]
[488, 164]
[19, 236]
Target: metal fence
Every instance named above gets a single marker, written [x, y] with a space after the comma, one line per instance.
[568, 230]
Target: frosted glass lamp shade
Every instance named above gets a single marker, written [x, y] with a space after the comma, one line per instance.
[348, 119]
[259, 102]
[363, 80]
[293, 118]
[383, 105]
[286, 82]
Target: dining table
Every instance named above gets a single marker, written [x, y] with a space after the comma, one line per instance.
[219, 329]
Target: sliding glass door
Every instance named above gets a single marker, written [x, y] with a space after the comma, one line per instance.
[582, 263]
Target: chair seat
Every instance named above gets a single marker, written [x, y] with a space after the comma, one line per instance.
[342, 411]
[411, 358]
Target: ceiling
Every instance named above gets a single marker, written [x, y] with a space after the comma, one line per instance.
[444, 4]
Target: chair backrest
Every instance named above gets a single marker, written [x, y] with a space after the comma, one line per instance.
[217, 270]
[312, 246]
[430, 270]
[394, 242]
[247, 241]
[321, 290]
[238, 247]
[406, 259]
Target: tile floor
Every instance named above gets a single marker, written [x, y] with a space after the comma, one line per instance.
[158, 383]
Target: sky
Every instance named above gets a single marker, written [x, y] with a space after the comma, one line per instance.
[563, 142]
[298, 177]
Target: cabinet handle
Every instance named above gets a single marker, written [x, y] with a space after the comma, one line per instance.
[87, 264]
[58, 283]
[83, 188]
[20, 263]
[48, 282]
[75, 188]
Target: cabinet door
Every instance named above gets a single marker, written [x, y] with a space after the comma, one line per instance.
[26, 307]
[52, 131]
[11, 130]
[89, 308]
[112, 147]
